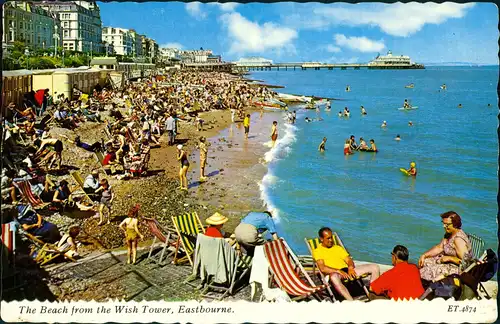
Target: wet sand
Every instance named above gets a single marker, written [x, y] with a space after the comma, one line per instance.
[234, 168]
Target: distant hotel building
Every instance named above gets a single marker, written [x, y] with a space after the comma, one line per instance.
[121, 40]
[253, 61]
[30, 24]
[196, 56]
[81, 24]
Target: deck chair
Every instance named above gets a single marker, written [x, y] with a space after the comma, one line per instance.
[166, 238]
[42, 252]
[99, 156]
[287, 270]
[477, 245]
[187, 226]
[312, 244]
[28, 196]
[11, 278]
[79, 180]
[212, 251]
[482, 270]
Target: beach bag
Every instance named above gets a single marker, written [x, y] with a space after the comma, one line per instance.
[447, 288]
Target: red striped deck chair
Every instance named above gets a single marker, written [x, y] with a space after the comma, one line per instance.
[312, 244]
[8, 239]
[287, 271]
[187, 226]
[28, 196]
[166, 238]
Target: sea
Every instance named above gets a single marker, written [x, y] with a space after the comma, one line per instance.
[364, 197]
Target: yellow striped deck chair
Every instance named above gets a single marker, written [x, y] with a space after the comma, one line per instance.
[313, 243]
[188, 226]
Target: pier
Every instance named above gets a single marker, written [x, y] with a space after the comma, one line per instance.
[320, 66]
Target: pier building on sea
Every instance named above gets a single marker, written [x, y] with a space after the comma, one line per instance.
[388, 61]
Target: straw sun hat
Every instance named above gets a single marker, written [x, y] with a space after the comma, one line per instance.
[216, 219]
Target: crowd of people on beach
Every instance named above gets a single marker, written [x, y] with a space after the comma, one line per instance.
[36, 173]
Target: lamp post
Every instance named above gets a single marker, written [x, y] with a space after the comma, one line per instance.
[63, 57]
[56, 37]
[106, 49]
[27, 53]
[91, 50]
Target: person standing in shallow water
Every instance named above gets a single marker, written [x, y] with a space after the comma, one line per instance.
[132, 234]
[274, 132]
[246, 125]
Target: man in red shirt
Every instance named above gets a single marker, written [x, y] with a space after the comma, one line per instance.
[215, 222]
[402, 281]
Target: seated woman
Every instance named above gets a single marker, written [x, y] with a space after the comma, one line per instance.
[445, 258]
[34, 224]
[68, 242]
[62, 195]
[28, 112]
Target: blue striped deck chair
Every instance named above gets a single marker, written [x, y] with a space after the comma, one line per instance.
[188, 226]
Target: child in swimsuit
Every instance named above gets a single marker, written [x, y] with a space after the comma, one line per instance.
[107, 197]
[347, 147]
[129, 226]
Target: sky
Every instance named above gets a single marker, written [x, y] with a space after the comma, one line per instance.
[316, 32]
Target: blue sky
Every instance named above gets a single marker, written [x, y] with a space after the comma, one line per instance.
[298, 32]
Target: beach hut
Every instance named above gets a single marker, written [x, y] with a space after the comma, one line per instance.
[14, 85]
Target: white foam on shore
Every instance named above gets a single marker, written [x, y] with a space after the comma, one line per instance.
[279, 151]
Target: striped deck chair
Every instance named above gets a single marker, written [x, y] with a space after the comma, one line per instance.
[477, 245]
[241, 266]
[287, 271]
[166, 238]
[8, 239]
[28, 196]
[79, 180]
[187, 226]
[312, 244]
[42, 252]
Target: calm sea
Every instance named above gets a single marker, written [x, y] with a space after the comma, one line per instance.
[364, 197]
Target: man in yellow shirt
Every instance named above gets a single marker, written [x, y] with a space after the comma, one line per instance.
[246, 124]
[334, 261]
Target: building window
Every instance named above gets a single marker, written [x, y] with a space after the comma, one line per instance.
[66, 24]
[66, 33]
[21, 25]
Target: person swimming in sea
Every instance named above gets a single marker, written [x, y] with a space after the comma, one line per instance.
[308, 120]
[340, 114]
[413, 169]
[373, 147]
[397, 138]
[348, 88]
[363, 111]
[328, 106]
[347, 113]
[459, 105]
[321, 147]
[410, 123]
[384, 124]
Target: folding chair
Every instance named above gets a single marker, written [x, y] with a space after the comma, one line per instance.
[286, 270]
[312, 244]
[28, 196]
[187, 226]
[100, 158]
[79, 180]
[477, 245]
[42, 252]
[166, 238]
[236, 266]
[482, 270]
